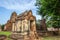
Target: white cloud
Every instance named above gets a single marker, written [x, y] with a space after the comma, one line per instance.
[18, 4]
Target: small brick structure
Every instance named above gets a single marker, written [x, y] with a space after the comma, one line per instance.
[42, 30]
[3, 37]
[43, 25]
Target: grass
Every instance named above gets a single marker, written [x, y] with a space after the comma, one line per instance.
[43, 38]
[5, 33]
[51, 38]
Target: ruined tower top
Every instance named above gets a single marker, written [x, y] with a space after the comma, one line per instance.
[13, 16]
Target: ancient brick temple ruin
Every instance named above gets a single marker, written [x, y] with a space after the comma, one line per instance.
[23, 23]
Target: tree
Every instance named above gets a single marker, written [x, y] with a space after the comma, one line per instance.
[2, 26]
[50, 10]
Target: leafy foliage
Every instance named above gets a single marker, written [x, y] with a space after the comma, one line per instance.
[2, 26]
[50, 10]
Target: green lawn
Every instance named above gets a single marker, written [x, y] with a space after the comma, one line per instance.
[5, 33]
[43, 38]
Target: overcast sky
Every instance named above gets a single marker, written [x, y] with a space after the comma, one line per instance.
[9, 6]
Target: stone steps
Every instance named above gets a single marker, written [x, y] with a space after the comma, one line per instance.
[18, 36]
